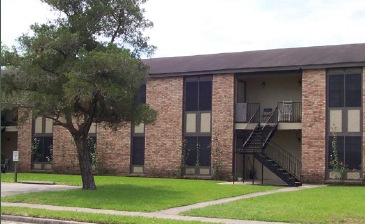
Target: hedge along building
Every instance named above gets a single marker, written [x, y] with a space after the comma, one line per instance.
[272, 114]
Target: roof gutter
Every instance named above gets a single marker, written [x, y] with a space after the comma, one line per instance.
[254, 70]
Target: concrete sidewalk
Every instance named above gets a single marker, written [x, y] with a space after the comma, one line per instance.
[177, 210]
[172, 213]
[28, 187]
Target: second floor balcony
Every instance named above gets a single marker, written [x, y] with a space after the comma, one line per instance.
[287, 114]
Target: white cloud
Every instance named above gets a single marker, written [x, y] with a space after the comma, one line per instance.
[214, 26]
[18, 15]
[190, 27]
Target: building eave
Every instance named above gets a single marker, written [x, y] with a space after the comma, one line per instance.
[260, 69]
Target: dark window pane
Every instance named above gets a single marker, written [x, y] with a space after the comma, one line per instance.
[36, 149]
[191, 96]
[205, 151]
[205, 95]
[138, 150]
[353, 152]
[142, 94]
[191, 145]
[91, 145]
[43, 151]
[336, 91]
[48, 145]
[340, 149]
[353, 90]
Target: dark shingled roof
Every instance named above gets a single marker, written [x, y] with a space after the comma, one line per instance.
[264, 60]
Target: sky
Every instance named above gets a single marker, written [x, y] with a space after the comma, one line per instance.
[196, 27]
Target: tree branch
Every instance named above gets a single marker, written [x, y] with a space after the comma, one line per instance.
[120, 22]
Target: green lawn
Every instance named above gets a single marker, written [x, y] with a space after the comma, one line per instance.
[332, 204]
[130, 193]
[87, 217]
[57, 178]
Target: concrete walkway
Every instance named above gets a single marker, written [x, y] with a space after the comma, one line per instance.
[172, 213]
[28, 187]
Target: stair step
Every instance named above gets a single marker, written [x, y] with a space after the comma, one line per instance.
[298, 183]
[256, 143]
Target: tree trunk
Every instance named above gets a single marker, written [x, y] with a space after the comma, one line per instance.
[84, 156]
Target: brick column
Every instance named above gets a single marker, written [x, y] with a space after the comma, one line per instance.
[223, 119]
[24, 141]
[363, 121]
[314, 125]
[164, 138]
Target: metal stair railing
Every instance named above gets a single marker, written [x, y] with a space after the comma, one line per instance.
[253, 110]
[284, 159]
[273, 119]
[254, 118]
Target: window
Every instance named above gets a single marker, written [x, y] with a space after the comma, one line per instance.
[142, 94]
[349, 152]
[197, 119]
[205, 95]
[344, 90]
[138, 140]
[191, 96]
[344, 119]
[352, 152]
[91, 145]
[353, 90]
[198, 95]
[336, 93]
[42, 142]
[42, 149]
[138, 146]
[198, 151]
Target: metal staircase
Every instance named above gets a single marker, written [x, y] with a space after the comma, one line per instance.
[270, 154]
[280, 162]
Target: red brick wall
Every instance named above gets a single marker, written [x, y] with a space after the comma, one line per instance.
[222, 119]
[363, 121]
[313, 125]
[24, 142]
[64, 152]
[114, 149]
[164, 137]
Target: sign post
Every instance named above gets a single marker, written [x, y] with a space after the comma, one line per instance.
[15, 159]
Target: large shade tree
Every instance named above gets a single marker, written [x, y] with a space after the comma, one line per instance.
[81, 68]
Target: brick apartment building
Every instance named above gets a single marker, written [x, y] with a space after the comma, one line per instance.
[273, 114]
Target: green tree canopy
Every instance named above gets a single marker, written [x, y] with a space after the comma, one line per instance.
[81, 68]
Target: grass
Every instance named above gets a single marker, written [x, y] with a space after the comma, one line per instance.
[74, 180]
[332, 204]
[131, 193]
[86, 217]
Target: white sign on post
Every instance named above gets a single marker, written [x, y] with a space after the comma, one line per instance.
[15, 156]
